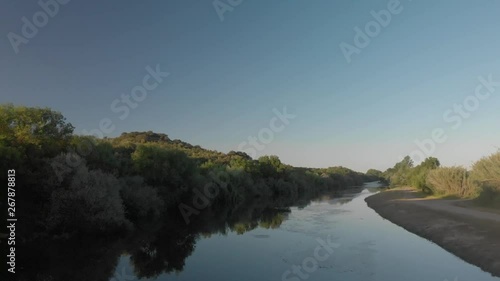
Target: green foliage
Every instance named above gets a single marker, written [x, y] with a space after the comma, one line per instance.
[163, 167]
[34, 127]
[482, 181]
[84, 184]
[374, 174]
[418, 175]
[141, 201]
[244, 163]
[452, 181]
[271, 167]
[405, 174]
[10, 156]
[344, 176]
[91, 202]
[486, 175]
[99, 155]
[399, 175]
[486, 172]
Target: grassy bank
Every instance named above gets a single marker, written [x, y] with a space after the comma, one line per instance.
[481, 183]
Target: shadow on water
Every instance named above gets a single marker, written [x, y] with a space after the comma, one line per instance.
[259, 240]
[156, 248]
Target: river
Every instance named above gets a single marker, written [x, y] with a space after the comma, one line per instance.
[331, 238]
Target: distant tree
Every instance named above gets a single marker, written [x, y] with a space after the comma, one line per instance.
[243, 155]
[169, 170]
[374, 174]
[418, 175]
[271, 166]
[430, 163]
[400, 173]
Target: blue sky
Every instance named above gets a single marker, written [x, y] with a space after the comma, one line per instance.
[226, 77]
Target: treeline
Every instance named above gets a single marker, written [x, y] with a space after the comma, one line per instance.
[481, 182]
[71, 184]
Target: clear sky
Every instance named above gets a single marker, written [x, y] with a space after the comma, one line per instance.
[227, 76]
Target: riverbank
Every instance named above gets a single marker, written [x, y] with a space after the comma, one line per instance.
[467, 232]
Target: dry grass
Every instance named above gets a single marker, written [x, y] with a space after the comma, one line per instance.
[486, 172]
[452, 181]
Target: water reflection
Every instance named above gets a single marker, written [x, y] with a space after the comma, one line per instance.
[154, 249]
[256, 241]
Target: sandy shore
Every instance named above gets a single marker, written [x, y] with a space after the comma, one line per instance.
[469, 233]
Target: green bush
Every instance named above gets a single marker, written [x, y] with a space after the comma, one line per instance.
[486, 174]
[140, 200]
[164, 166]
[80, 184]
[91, 203]
[452, 181]
[399, 175]
[418, 175]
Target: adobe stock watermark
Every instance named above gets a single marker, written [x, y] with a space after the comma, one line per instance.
[223, 6]
[266, 135]
[30, 28]
[311, 263]
[455, 116]
[120, 106]
[362, 37]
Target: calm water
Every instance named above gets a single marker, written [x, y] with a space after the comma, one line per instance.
[330, 239]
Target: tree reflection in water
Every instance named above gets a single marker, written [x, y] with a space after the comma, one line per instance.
[154, 249]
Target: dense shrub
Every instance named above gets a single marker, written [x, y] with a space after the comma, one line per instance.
[77, 183]
[164, 166]
[399, 175]
[418, 175]
[486, 174]
[454, 181]
[91, 202]
[374, 175]
[140, 200]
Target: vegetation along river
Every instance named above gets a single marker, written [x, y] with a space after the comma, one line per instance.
[331, 238]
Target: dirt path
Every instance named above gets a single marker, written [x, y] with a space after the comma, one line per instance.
[470, 234]
[460, 207]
